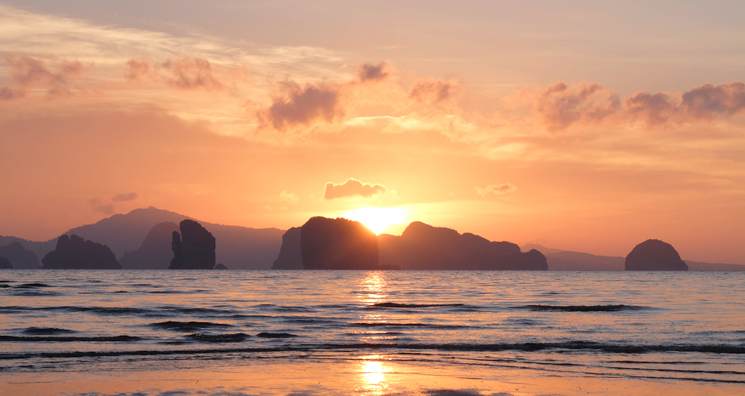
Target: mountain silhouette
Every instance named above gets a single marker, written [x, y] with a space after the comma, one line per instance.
[338, 244]
[239, 247]
[19, 257]
[155, 251]
[424, 247]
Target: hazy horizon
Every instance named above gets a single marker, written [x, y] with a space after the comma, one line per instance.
[580, 126]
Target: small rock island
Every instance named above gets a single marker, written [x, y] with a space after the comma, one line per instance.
[193, 248]
[74, 252]
[654, 255]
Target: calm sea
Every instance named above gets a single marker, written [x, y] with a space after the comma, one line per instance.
[676, 327]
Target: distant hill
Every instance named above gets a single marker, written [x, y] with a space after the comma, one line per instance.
[563, 260]
[237, 247]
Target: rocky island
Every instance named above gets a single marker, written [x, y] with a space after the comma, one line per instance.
[338, 244]
[654, 255]
[74, 252]
[193, 248]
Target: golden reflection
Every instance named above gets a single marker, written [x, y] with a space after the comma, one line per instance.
[373, 374]
[374, 285]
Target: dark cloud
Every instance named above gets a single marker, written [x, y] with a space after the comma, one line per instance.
[352, 187]
[653, 109]
[561, 105]
[432, 91]
[99, 206]
[293, 105]
[190, 73]
[709, 101]
[368, 72]
[124, 197]
[28, 72]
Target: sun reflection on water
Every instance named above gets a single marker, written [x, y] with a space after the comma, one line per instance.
[373, 374]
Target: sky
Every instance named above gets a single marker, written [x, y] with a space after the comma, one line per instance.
[579, 125]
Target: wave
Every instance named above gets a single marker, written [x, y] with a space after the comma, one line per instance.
[275, 335]
[582, 308]
[31, 285]
[219, 338]
[400, 305]
[121, 338]
[46, 331]
[188, 326]
[393, 324]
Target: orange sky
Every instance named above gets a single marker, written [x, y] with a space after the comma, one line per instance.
[580, 126]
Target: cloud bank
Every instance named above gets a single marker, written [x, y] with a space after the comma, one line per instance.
[351, 188]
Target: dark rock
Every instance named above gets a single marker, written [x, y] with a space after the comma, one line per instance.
[424, 247]
[155, 251]
[194, 248]
[74, 252]
[290, 257]
[19, 257]
[5, 264]
[221, 266]
[338, 244]
[654, 255]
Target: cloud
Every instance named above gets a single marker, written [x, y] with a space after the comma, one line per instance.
[293, 105]
[288, 197]
[496, 189]
[99, 206]
[432, 91]
[708, 101]
[138, 69]
[51, 72]
[653, 109]
[191, 73]
[561, 105]
[352, 187]
[124, 197]
[369, 72]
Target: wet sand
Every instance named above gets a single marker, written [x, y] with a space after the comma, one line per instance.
[334, 375]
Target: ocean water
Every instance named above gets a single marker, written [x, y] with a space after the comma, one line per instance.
[377, 332]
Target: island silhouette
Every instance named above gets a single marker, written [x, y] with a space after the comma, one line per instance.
[142, 239]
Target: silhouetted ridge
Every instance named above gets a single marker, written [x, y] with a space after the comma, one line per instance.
[18, 257]
[654, 255]
[74, 252]
[194, 248]
[290, 257]
[424, 247]
[338, 244]
[155, 251]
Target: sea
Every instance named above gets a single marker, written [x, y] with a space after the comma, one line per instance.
[139, 333]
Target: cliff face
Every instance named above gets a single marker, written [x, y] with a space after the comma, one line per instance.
[290, 257]
[424, 247]
[338, 244]
[155, 251]
[194, 248]
[74, 252]
[654, 255]
[19, 257]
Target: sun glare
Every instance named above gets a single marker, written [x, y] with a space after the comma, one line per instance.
[377, 219]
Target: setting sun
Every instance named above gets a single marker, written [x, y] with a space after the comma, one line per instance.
[377, 219]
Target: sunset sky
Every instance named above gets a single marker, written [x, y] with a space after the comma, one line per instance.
[580, 125]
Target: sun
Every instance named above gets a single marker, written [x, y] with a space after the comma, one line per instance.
[377, 219]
